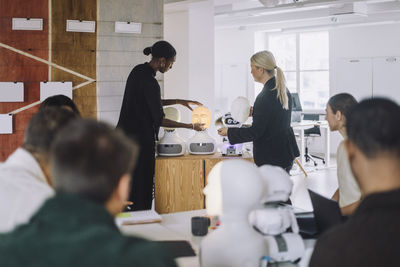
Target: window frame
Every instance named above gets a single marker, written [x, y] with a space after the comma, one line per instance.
[298, 71]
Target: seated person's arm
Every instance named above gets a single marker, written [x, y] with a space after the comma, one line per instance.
[336, 195]
[349, 209]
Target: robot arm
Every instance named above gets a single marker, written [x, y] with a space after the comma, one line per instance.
[273, 221]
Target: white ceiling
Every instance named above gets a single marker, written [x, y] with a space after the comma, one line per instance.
[286, 15]
[293, 15]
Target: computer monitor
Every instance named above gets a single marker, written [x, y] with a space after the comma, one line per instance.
[296, 108]
[296, 105]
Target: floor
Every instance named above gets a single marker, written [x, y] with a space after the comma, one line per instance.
[321, 180]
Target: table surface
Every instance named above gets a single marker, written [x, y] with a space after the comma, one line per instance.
[177, 226]
[216, 155]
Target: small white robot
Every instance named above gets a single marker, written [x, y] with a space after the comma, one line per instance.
[250, 233]
[234, 187]
[274, 221]
[171, 144]
[240, 110]
[201, 142]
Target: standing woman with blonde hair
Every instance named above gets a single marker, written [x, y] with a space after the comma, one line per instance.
[273, 138]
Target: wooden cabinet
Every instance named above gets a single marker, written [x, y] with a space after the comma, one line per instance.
[179, 181]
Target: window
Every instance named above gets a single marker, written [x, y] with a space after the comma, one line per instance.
[304, 58]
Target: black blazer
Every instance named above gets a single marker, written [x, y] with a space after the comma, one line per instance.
[142, 112]
[273, 139]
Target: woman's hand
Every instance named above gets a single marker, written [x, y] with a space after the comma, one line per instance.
[187, 103]
[223, 131]
[198, 126]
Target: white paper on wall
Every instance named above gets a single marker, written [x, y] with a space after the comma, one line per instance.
[11, 92]
[128, 27]
[6, 124]
[55, 88]
[27, 24]
[81, 26]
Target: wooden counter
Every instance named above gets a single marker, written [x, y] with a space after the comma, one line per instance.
[179, 181]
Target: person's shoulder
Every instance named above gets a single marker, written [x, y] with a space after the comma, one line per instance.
[341, 150]
[331, 245]
[138, 70]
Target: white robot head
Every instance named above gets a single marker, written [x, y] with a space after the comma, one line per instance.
[202, 115]
[172, 113]
[240, 109]
[233, 185]
[277, 184]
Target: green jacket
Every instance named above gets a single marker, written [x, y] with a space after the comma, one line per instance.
[71, 231]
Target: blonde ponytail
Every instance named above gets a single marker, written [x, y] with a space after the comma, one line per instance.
[281, 88]
[266, 60]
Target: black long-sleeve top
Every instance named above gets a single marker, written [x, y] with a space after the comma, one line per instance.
[273, 139]
[142, 112]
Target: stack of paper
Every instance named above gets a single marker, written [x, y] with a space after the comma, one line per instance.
[138, 217]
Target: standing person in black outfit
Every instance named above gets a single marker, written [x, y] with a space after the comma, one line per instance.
[371, 235]
[273, 138]
[142, 115]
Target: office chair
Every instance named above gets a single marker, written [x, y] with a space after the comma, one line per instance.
[312, 132]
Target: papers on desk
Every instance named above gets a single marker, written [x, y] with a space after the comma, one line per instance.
[138, 217]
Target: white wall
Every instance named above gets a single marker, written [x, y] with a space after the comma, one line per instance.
[233, 49]
[176, 80]
[190, 28]
[118, 53]
[361, 42]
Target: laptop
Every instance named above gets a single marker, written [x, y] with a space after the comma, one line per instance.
[326, 215]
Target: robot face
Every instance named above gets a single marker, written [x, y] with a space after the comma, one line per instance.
[228, 121]
[213, 192]
[172, 113]
[277, 183]
[232, 186]
[240, 109]
[202, 115]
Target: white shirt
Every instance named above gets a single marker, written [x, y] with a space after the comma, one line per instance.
[349, 192]
[23, 189]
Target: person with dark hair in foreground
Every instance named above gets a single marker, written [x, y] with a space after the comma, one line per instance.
[91, 165]
[142, 115]
[60, 101]
[371, 235]
[25, 177]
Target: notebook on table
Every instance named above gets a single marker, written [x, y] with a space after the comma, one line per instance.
[138, 217]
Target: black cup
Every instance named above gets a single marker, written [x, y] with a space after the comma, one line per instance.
[200, 225]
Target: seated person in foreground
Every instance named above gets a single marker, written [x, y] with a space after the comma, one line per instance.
[370, 237]
[60, 101]
[24, 177]
[90, 165]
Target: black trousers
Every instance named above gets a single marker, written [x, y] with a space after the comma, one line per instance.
[143, 176]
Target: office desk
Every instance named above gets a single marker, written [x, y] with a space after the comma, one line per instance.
[177, 226]
[303, 125]
[179, 181]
